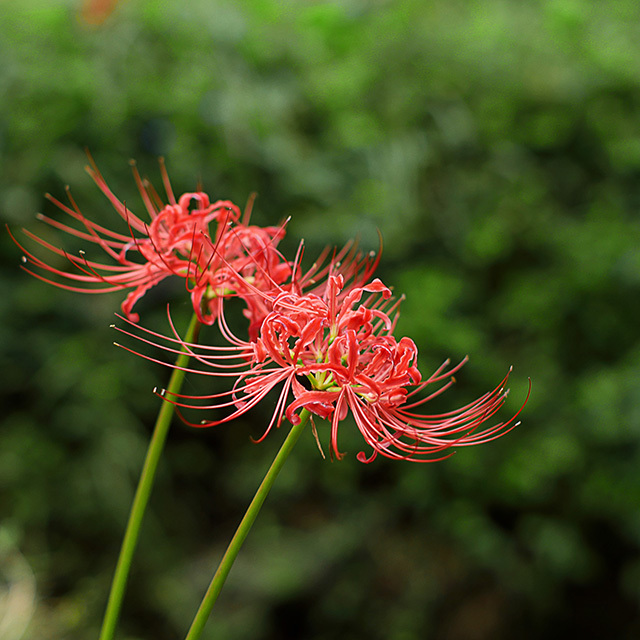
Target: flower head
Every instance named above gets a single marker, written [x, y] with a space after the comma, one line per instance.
[334, 354]
[210, 245]
[207, 244]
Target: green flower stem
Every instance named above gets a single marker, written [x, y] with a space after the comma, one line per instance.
[197, 626]
[143, 491]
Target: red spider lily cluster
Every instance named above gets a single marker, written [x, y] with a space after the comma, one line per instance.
[211, 246]
[204, 243]
[332, 354]
[324, 337]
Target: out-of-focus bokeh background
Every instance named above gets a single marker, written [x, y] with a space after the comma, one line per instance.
[496, 146]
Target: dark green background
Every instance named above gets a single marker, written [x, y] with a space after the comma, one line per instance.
[496, 146]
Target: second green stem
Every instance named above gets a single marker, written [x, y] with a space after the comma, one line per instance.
[230, 555]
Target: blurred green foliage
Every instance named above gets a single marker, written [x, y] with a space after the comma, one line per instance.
[496, 146]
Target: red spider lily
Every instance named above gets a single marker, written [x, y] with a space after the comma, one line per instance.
[177, 241]
[233, 259]
[336, 353]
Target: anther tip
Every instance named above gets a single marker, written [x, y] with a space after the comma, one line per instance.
[112, 326]
[23, 259]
